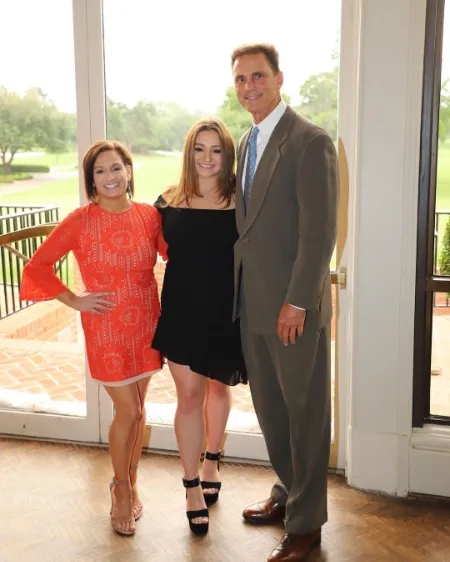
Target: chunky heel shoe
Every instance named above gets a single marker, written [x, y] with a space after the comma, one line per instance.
[117, 520]
[196, 528]
[211, 498]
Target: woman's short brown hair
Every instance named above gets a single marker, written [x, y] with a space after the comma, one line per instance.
[268, 50]
[188, 185]
[91, 156]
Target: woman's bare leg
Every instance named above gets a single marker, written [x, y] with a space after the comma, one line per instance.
[136, 455]
[218, 406]
[122, 440]
[190, 428]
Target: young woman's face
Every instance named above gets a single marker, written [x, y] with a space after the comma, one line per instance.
[111, 175]
[208, 154]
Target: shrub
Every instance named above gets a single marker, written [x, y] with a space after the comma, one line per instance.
[444, 258]
[27, 169]
[15, 177]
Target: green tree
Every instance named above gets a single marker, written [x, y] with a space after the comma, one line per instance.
[31, 121]
[444, 258]
[149, 126]
[141, 126]
[116, 120]
[444, 111]
[173, 123]
[319, 100]
[237, 119]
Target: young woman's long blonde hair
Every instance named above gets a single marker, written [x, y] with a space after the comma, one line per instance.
[188, 185]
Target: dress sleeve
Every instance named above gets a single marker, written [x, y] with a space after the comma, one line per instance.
[39, 281]
[158, 204]
[161, 244]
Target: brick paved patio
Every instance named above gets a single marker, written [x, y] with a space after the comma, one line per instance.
[45, 370]
[56, 366]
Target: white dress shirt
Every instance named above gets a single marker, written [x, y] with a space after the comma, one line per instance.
[266, 128]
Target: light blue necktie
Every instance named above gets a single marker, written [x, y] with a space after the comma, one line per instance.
[251, 166]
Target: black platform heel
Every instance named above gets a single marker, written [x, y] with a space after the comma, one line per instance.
[196, 528]
[210, 499]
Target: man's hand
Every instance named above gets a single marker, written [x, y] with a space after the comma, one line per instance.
[290, 323]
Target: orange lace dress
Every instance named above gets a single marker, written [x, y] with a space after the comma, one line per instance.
[116, 252]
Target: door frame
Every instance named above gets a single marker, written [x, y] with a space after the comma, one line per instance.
[91, 126]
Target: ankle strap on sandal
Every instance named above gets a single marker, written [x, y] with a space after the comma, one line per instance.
[121, 482]
[213, 456]
[191, 483]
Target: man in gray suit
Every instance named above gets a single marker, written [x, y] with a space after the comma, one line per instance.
[286, 212]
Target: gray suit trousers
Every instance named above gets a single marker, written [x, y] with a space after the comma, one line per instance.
[290, 387]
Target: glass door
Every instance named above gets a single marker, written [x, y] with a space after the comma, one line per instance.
[54, 98]
[44, 390]
[166, 65]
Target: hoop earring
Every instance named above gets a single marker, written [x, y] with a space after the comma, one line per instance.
[129, 190]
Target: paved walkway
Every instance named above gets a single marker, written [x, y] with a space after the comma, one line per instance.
[37, 181]
[56, 367]
[440, 382]
[51, 368]
[60, 375]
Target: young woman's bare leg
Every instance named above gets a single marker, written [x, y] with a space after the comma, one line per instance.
[190, 428]
[217, 409]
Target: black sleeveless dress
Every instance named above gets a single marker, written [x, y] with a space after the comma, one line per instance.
[195, 327]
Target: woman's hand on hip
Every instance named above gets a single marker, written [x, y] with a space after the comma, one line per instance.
[94, 303]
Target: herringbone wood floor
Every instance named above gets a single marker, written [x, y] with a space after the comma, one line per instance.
[54, 508]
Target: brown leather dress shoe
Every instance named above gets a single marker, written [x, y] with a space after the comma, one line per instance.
[267, 511]
[295, 548]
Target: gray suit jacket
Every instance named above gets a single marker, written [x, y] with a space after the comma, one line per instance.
[287, 239]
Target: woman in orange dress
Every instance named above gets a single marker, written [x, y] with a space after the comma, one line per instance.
[115, 242]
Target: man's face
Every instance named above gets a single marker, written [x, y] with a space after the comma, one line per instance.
[257, 86]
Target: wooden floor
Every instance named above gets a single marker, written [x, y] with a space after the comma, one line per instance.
[54, 508]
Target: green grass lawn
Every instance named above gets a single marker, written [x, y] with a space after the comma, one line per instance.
[443, 188]
[443, 180]
[67, 159]
[154, 173]
[52, 160]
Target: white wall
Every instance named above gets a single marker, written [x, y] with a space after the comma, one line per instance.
[382, 240]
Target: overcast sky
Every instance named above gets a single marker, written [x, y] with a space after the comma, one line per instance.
[164, 51]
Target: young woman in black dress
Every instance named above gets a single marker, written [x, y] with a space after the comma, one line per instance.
[195, 331]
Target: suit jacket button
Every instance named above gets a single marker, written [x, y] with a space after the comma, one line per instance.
[245, 240]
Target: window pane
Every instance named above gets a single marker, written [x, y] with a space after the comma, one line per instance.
[160, 80]
[42, 350]
[440, 362]
[442, 224]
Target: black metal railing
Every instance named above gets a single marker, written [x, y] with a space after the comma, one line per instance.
[13, 218]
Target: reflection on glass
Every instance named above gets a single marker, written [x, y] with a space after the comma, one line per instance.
[440, 359]
[42, 351]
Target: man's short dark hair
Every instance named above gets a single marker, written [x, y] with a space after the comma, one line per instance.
[268, 50]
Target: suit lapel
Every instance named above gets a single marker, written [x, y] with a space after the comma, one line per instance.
[265, 169]
[240, 212]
